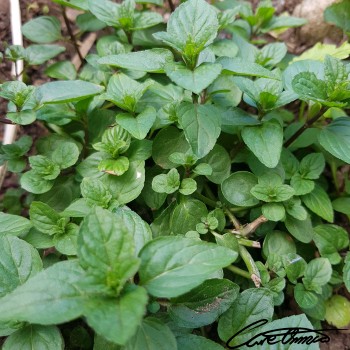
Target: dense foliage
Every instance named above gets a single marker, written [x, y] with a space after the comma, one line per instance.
[190, 184]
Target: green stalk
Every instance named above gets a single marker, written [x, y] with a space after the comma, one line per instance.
[238, 271]
[250, 263]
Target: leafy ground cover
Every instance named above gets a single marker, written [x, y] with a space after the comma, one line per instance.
[193, 180]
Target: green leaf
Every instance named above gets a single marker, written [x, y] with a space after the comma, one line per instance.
[193, 80]
[44, 167]
[320, 52]
[52, 296]
[188, 186]
[273, 211]
[301, 186]
[187, 215]
[224, 92]
[106, 11]
[239, 66]
[95, 192]
[277, 241]
[13, 224]
[128, 186]
[152, 334]
[42, 30]
[146, 19]
[191, 341]
[295, 209]
[87, 22]
[342, 205]
[125, 92]
[152, 61]
[64, 70]
[106, 249]
[220, 162]
[66, 243]
[201, 125]
[330, 239]
[306, 299]
[346, 271]
[338, 311]
[46, 219]
[166, 183]
[66, 91]
[237, 189]
[317, 273]
[334, 138]
[265, 141]
[25, 117]
[294, 266]
[318, 202]
[252, 305]
[172, 266]
[191, 27]
[106, 315]
[204, 304]
[301, 229]
[139, 229]
[39, 54]
[75, 4]
[312, 166]
[35, 337]
[339, 14]
[19, 262]
[309, 87]
[34, 183]
[65, 155]
[138, 127]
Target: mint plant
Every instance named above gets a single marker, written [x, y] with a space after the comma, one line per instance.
[177, 197]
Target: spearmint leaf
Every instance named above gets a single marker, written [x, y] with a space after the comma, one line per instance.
[13, 224]
[301, 229]
[152, 61]
[312, 166]
[294, 265]
[128, 186]
[34, 183]
[44, 167]
[188, 186]
[318, 272]
[106, 11]
[295, 209]
[273, 211]
[106, 249]
[168, 141]
[66, 243]
[166, 183]
[191, 27]
[66, 91]
[301, 186]
[201, 125]
[25, 117]
[250, 306]
[346, 271]
[339, 15]
[237, 189]
[39, 54]
[334, 138]
[139, 229]
[203, 304]
[330, 239]
[95, 192]
[65, 155]
[191, 341]
[125, 92]
[42, 30]
[106, 315]
[138, 127]
[171, 266]
[46, 219]
[35, 337]
[239, 66]
[309, 87]
[265, 141]
[52, 296]
[64, 70]
[338, 311]
[193, 80]
[277, 241]
[146, 19]
[186, 215]
[153, 334]
[19, 262]
[318, 202]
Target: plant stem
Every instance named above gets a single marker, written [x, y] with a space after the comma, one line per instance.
[238, 271]
[249, 243]
[171, 5]
[302, 110]
[71, 34]
[233, 219]
[6, 121]
[251, 227]
[304, 127]
[250, 263]
[206, 200]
